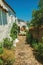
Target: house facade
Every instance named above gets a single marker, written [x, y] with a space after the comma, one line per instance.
[22, 26]
[21, 23]
[7, 18]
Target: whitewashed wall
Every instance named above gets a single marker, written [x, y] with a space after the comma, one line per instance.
[21, 23]
[5, 29]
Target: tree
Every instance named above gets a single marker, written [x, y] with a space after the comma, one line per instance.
[29, 24]
[38, 14]
[40, 5]
[37, 17]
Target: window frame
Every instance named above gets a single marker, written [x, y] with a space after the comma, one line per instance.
[2, 17]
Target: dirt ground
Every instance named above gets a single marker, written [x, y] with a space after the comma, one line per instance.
[24, 53]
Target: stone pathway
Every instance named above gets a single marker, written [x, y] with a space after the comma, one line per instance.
[24, 54]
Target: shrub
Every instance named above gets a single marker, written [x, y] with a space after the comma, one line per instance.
[34, 44]
[29, 37]
[1, 62]
[14, 31]
[14, 36]
[40, 49]
[18, 29]
[1, 48]
[42, 40]
[1, 44]
[7, 43]
[8, 57]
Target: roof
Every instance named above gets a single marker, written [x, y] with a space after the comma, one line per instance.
[3, 8]
[20, 20]
[9, 6]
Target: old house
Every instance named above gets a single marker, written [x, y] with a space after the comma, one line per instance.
[21, 23]
[7, 18]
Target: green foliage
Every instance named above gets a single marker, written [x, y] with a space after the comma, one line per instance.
[1, 48]
[29, 37]
[42, 39]
[37, 19]
[40, 49]
[1, 44]
[18, 29]
[35, 44]
[7, 43]
[29, 24]
[8, 57]
[40, 4]
[1, 62]
[14, 31]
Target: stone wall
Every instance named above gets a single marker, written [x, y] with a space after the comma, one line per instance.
[37, 34]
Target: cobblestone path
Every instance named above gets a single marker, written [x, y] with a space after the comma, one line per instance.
[24, 53]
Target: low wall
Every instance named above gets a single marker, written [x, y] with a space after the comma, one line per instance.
[37, 35]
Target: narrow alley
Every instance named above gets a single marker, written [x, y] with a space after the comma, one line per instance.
[24, 53]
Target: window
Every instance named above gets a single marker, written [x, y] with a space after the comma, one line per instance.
[9, 13]
[3, 17]
[0, 18]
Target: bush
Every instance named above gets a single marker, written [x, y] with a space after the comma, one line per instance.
[42, 40]
[14, 36]
[18, 29]
[29, 37]
[14, 31]
[1, 44]
[7, 43]
[1, 62]
[8, 57]
[40, 49]
[35, 45]
[1, 48]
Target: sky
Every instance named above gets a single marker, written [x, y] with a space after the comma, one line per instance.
[23, 8]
